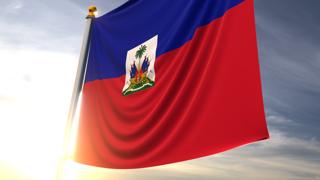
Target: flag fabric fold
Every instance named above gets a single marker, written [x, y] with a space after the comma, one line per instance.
[168, 81]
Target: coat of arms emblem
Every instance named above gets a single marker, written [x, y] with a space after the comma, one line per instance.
[140, 73]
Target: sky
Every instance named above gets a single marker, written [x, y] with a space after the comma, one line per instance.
[39, 48]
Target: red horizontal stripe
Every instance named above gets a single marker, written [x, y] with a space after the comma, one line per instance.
[206, 99]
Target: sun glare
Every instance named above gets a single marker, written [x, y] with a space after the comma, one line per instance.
[34, 98]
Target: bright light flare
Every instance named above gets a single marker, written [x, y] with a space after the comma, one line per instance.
[35, 94]
[96, 13]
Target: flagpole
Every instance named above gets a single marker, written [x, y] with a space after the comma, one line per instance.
[77, 88]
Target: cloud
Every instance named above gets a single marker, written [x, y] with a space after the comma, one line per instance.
[40, 41]
[279, 120]
[289, 61]
[13, 7]
[39, 47]
[44, 25]
[57, 25]
[281, 157]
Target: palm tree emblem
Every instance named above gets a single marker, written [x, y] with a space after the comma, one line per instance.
[140, 53]
[139, 79]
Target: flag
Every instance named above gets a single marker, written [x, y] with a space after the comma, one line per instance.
[169, 81]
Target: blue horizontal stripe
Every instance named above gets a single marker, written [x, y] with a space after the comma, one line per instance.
[175, 22]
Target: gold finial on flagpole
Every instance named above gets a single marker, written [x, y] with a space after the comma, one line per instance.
[92, 12]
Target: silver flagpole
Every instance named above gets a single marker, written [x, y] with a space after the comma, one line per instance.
[77, 88]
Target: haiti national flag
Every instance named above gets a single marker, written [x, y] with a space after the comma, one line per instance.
[168, 81]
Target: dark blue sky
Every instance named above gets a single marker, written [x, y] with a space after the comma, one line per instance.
[289, 42]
